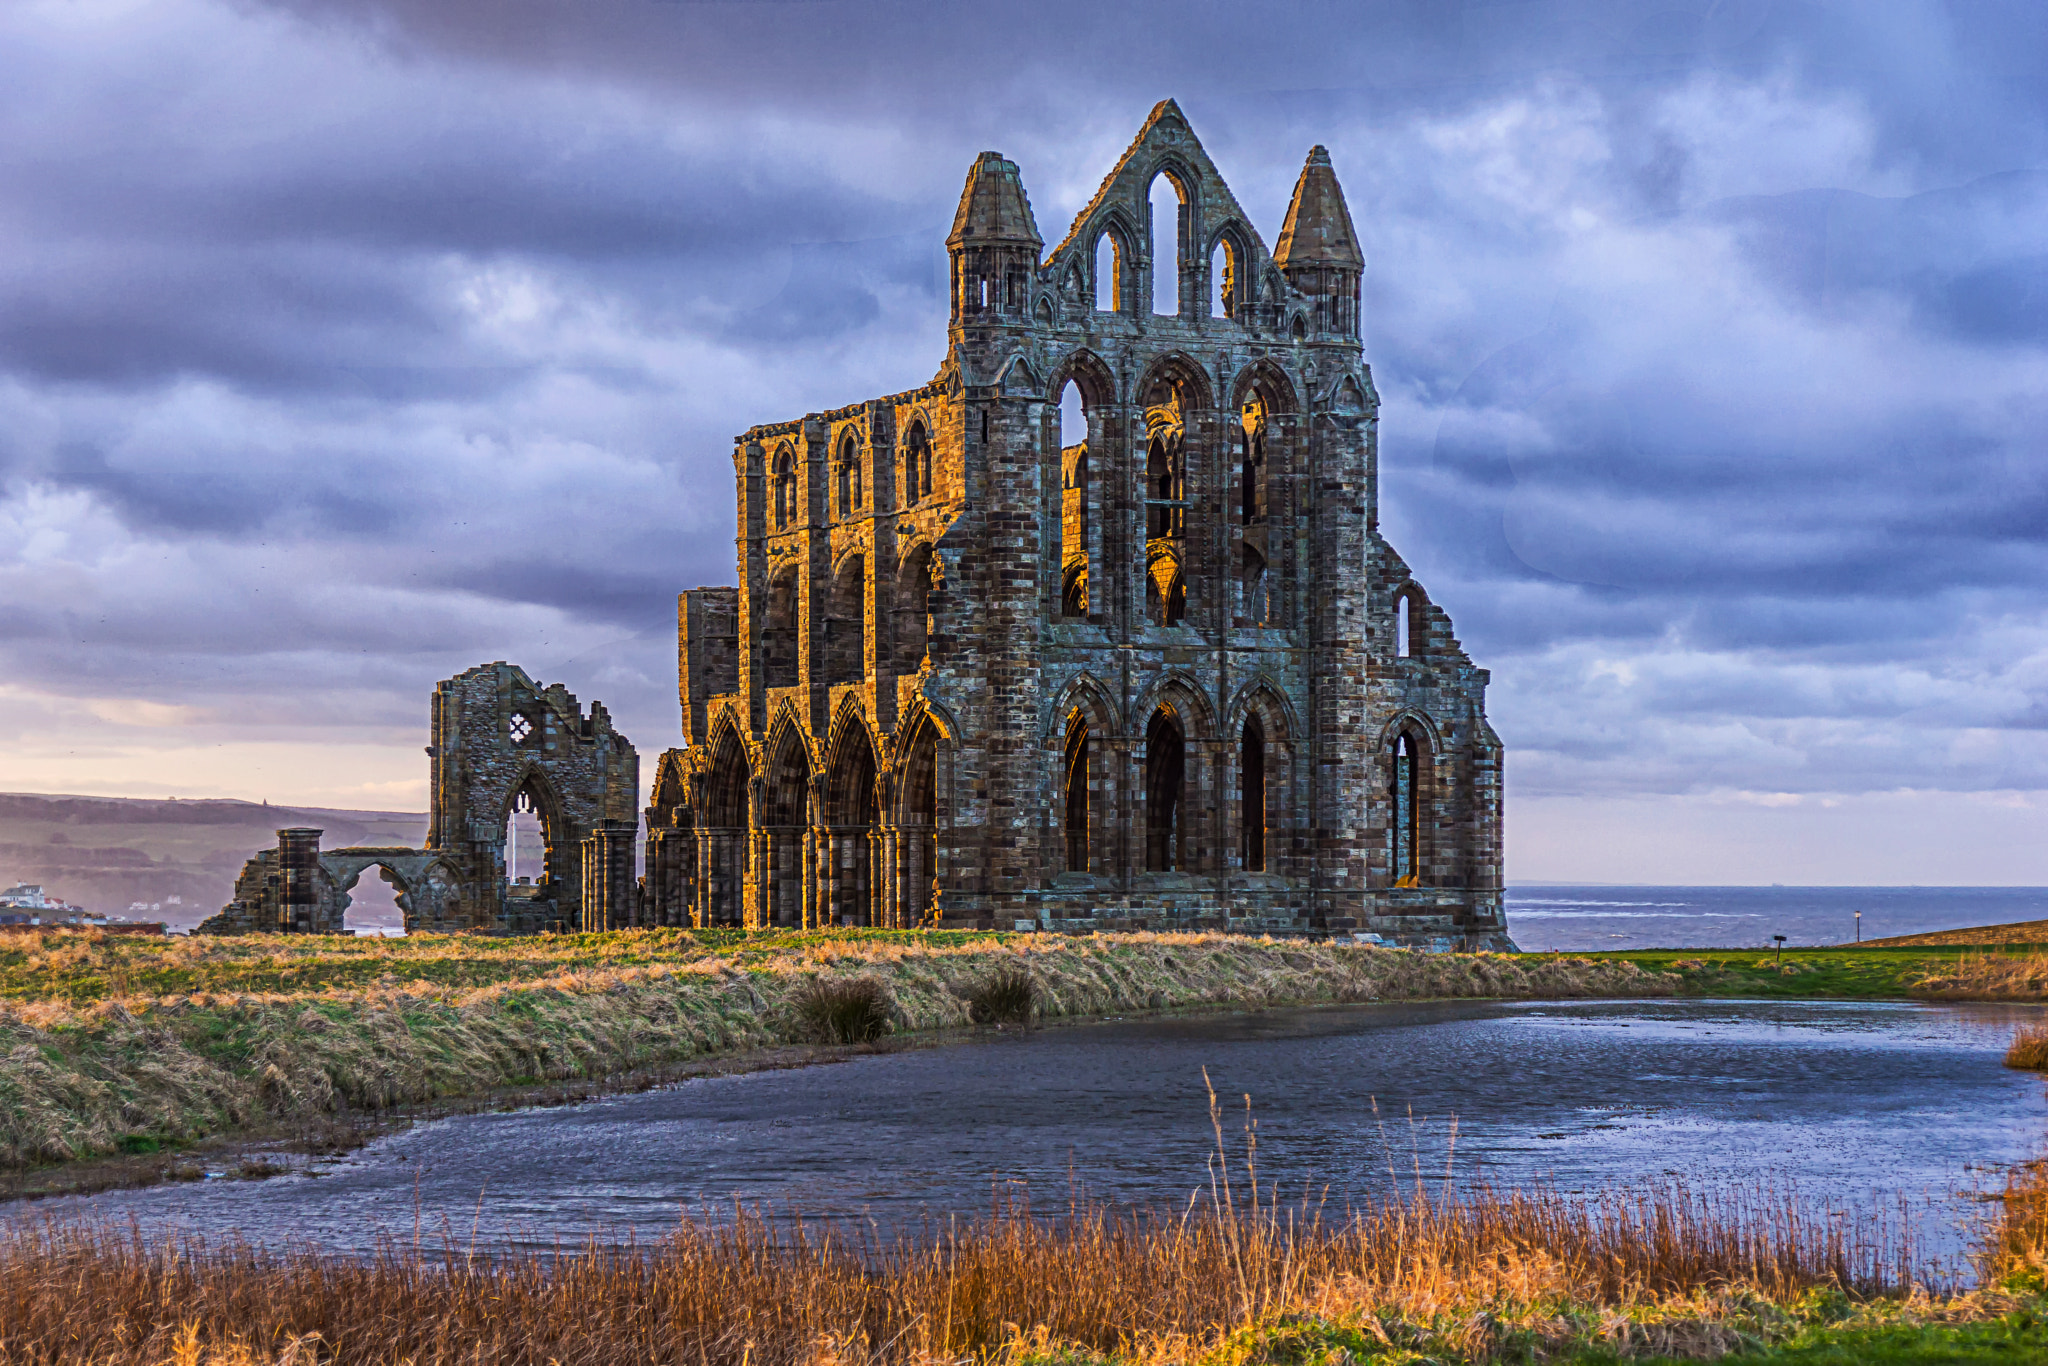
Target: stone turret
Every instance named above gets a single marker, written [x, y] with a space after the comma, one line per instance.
[1318, 250]
[994, 244]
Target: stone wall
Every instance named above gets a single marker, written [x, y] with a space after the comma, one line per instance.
[499, 738]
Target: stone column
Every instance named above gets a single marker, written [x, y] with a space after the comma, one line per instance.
[298, 893]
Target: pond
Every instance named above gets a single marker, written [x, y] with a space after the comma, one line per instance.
[1852, 1103]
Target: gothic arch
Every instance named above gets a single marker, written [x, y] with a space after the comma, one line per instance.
[1409, 718]
[853, 806]
[1270, 380]
[1083, 690]
[1181, 692]
[1089, 372]
[1408, 756]
[1079, 733]
[1262, 694]
[1185, 374]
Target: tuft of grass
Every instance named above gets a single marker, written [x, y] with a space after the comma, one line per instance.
[1008, 995]
[2029, 1051]
[843, 1010]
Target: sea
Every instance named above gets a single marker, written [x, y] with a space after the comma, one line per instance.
[1543, 916]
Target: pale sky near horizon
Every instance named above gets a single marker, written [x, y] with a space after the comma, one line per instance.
[345, 344]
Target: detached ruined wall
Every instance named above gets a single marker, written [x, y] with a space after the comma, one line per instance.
[499, 739]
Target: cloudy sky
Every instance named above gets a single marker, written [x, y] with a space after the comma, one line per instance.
[344, 345]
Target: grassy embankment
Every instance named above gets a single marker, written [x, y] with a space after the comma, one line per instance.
[110, 1044]
[1928, 972]
[1237, 1280]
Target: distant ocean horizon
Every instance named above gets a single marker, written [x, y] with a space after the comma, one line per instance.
[1580, 916]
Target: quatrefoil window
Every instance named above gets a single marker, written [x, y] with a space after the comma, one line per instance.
[520, 728]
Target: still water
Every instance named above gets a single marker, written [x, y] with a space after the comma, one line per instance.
[1554, 916]
[1847, 1101]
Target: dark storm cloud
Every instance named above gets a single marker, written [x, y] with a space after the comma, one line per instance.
[360, 341]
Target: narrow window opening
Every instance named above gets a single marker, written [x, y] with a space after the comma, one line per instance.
[1252, 579]
[1078, 762]
[1402, 798]
[1223, 280]
[916, 454]
[1074, 503]
[984, 426]
[1252, 470]
[1251, 770]
[1109, 269]
[1169, 212]
[785, 489]
[1404, 611]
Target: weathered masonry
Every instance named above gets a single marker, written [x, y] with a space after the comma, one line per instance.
[999, 658]
[501, 744]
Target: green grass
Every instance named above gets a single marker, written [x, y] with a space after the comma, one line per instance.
[1846, 973]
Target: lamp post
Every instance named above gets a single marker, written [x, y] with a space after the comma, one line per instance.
[1859, 927]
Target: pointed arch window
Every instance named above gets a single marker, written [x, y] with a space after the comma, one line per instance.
[785, 488]
[1165, 775]
[917, 465]
[1109, 273]
[849, 476]
[1404, 789]
[1076, 512]
[1079, 762]
[1168, 210]
[1225, 277]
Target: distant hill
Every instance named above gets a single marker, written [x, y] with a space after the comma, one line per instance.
[108, 853]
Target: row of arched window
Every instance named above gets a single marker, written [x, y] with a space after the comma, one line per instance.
[850, 490]
[1165, 795]
[1168, 210]
[903, 621]
[1168, 509]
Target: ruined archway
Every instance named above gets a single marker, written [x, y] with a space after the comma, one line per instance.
[850, 812]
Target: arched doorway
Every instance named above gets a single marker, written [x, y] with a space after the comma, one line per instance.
[919, 826]
[850, 812]
[374, 907]
[725, 819]
[1165, 777]
[787, 824]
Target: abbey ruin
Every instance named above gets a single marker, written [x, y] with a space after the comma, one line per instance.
[997, 660]
[982, 670]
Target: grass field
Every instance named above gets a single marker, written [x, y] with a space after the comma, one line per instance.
[112, 1044]
[1999, 972]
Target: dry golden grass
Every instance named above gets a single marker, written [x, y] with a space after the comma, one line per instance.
[1986, 975]
[95, 1049]
[1235, 1278]
[2029, 1050]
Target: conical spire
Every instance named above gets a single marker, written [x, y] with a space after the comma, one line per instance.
[1318, 230]
[993, 208]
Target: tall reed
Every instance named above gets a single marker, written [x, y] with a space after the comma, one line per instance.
[1484, 1271]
